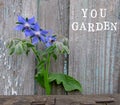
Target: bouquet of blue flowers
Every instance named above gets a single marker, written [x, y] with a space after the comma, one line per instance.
[52, 48]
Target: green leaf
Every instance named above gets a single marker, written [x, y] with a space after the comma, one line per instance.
[10, 44]
[65, 41]
[11, 50]
[29, 45]
[54, 35]
[26, 49]
[18, 23]
[50, 49]
[55, 56]
[19, 48]
[40, 65]
[61, 48]
[65, 49]
[68, 82]
[39, 77]
[27, 52]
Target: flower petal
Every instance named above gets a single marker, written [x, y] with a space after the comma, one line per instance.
[28, 33]
[48, 44]
[35, 40]
[36, 27]
[44, 32]
[42, 38]
[31, 20]
[21, 19]
[19, 27]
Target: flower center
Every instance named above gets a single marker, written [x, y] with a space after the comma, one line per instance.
[37, 33]
[27, 25]
[51, 40]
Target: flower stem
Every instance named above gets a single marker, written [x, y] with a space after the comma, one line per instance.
[36, 54]
[46, 74]
[46, 71]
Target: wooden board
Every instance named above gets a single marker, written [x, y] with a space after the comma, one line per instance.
[61, 100]
[95, 56]
[54, 15]
[16, 72]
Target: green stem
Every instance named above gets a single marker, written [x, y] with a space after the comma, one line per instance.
[36, 54]
[46, 72]
[46, 75]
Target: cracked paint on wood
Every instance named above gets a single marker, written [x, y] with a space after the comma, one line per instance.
[16, 72]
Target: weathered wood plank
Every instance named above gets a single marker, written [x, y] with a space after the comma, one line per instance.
[116, 74]
[54, 15]
[16, 72]
[94, 58]
[26, 100]
[60, 100]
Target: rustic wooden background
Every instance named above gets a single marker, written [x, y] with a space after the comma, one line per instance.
[94, 57]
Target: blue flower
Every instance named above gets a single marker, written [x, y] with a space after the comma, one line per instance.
[33, 30]
[50, 40]
[25, 25]
[38, 34]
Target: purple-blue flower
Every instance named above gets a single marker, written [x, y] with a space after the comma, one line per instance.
[25, 25]
[50, 40]
[38, 34]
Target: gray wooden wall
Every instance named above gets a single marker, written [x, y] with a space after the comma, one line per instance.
[94, 57]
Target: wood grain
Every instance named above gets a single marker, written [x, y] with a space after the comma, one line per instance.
[61, 100]
[94, 57]
[16, 72]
